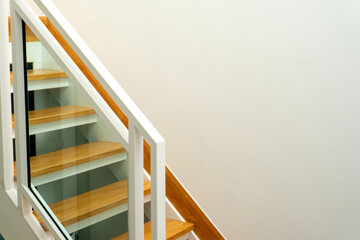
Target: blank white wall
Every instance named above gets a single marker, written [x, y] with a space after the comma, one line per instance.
[258, 101]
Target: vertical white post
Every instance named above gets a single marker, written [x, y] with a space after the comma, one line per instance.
[158, 214]
[19, 106]
[6, 148]
[136, 185]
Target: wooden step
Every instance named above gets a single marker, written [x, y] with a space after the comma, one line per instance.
[42, 74]
[55, 161]
[56, 113]
[83, 206]
[69, 157]
[174, 230]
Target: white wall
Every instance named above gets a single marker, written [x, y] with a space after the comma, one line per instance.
[258, 101]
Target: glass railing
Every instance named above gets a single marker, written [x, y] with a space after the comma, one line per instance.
[79, 137]
[77, 168]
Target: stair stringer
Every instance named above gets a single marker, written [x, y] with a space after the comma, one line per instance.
[171, 213]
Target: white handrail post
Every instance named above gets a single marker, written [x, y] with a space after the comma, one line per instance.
[136, 184]
[19, 106]
[6, 148]
[158, 211]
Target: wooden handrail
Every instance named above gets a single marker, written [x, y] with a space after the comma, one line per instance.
[88, 74]
[175, 192]
[30, 36]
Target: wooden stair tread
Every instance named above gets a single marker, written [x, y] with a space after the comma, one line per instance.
[55, 161]
[75, 209]
[42, 74]
[174, 230]
[56, 113]
[69, 157]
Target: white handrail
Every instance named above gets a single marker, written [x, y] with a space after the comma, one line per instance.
[139, 125]
[73, 72]
[105, 78]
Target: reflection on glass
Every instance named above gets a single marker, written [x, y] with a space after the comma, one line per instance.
[77, 166]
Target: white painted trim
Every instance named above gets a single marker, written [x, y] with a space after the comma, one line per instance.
[61, 124]
[67, 172]
[12, 219]
[158, 208]
[12, 194]
[6, 148]
[101, 216]
[135, 185]
[19, 107]
[97, 218]
[37, 228]
[55, 231]
[46, 84]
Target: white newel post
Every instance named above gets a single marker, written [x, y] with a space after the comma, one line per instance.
[6, 148]
[136, 185]
[158, 209]
[19, 107]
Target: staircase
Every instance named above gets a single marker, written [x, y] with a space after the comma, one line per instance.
[57, 166]
[79, 168]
